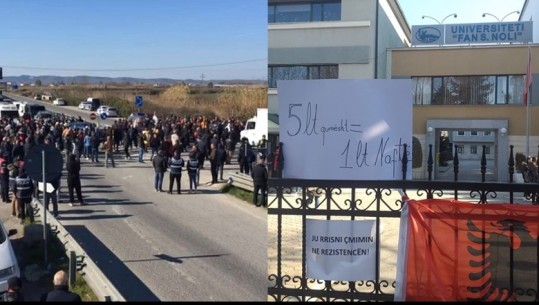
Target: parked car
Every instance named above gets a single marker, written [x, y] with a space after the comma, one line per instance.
[37, 97]
[59, 102]
[80, 125]
[138, 119]
[110, 111]
[8, 261]
[43, 114]
[85, 105]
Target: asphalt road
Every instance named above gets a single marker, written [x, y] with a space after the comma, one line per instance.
[155, 246]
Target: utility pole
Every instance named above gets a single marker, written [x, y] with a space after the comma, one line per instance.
[202, 77]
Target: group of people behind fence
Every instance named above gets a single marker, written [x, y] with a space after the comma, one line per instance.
[530, 170]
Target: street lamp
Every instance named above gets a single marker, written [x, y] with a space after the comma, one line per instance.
[425, 16]
[489, 14]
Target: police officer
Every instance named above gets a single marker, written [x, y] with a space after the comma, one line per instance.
[176, 164]
[193, 172]
[24, 188]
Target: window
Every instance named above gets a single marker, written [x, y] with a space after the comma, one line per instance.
[486, 133]
[422, 90]
[473, 149]
[502, 97]
[276, 73]
[468, 90]
[329, 10]
[473, 132]
[487, 150]
[460, 149]
[460, 133]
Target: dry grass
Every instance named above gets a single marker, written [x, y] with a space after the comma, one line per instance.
[237, 101]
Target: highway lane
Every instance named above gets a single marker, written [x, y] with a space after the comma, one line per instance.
[155, 246]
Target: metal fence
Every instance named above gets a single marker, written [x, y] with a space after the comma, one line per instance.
[293, 201]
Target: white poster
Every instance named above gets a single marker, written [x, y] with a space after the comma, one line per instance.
[340, 129]
[341, 250]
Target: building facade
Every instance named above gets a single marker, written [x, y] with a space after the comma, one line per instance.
[469, 95]
[330, 39]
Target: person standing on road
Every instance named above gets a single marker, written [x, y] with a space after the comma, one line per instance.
[53, 196]
[176, 164]
[244, 156]
[60, 292]
[220, 155]
[127, 144]
[192, 172]
[214, 166]
[13, 174]
[24, 188]
[260, 181]
[160, 167]
[108, 147]
[141, 147]
[95, 147]
[87, 145]
[4, 180]
[73, 179]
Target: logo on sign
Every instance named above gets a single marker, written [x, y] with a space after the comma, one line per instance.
[138, 101]
[428, 34]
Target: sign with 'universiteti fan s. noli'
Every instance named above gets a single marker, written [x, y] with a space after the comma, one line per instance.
[473, 33]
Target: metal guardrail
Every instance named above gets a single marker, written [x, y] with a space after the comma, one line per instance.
[242, 181]
[94, 277]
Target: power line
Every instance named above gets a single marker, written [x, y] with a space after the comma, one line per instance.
[138, 69]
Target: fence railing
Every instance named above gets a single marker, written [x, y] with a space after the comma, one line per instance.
[293, 201]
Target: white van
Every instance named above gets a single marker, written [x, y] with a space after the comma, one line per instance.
[8, 261]
[256, 127]
[96, 103]
[8, 110]
[30, 109]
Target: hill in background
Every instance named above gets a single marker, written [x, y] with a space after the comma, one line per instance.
[46, 80]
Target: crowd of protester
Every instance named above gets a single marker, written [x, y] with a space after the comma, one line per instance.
[158, 140]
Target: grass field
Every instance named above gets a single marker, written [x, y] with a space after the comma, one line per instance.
[226, 102]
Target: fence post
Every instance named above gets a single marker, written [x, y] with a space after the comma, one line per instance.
[429, 163]
[483, 164]
[404, 161]
[511, 165]
[456, 165]
[72, 268]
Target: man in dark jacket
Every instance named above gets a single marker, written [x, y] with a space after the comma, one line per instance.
[160, 167]
[4, 179]
[220, 156]
[244, 156]
[60, 292]
[73, 179]
[260, 181]
[53, 196]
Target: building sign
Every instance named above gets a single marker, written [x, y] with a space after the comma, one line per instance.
[473, 33]
[343, 129]
[341, 250]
